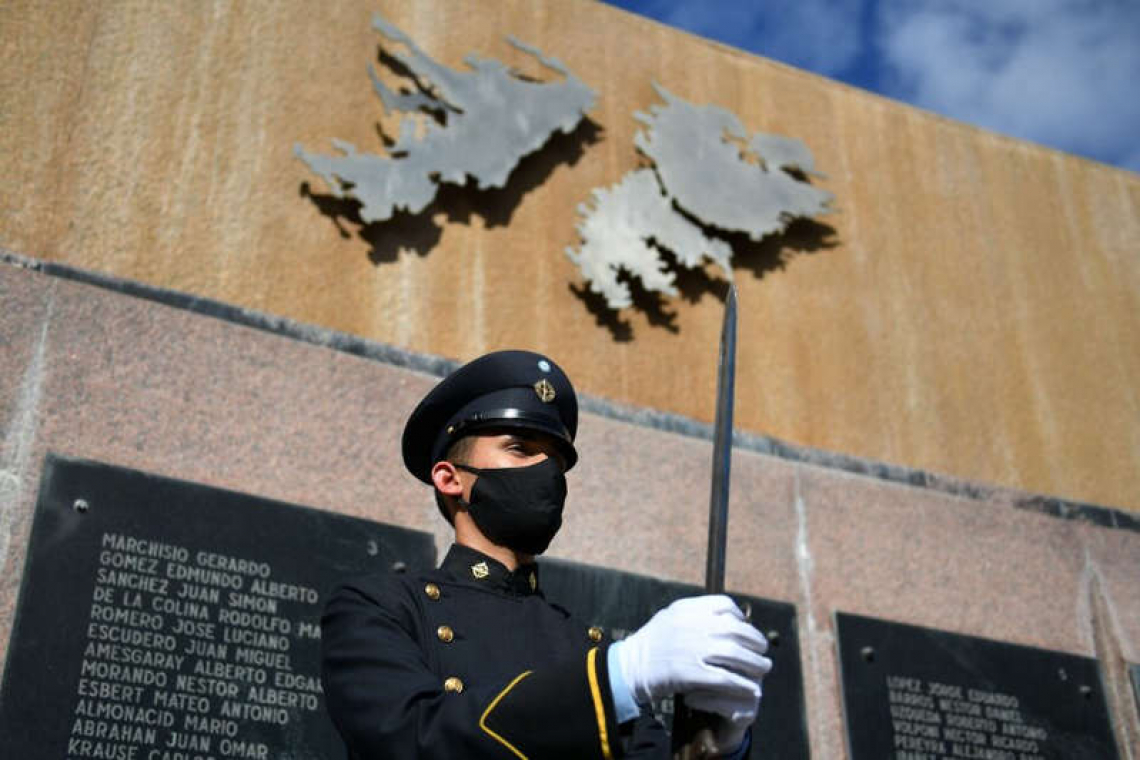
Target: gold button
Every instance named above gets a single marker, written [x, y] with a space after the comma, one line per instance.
[445, 634]
[453, 684]
[533, 580]
[595, 633]
[432, 591]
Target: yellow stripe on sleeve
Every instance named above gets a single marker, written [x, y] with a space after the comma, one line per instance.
[599, 705]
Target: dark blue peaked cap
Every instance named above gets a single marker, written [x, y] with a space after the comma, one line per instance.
[504, 389]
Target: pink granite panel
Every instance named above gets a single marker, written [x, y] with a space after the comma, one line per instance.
[929, 559]
[136, 384]
[24, 305]
[1114, 557]
[635, 502]
[639, 501]
[164, 390]
[763, 528]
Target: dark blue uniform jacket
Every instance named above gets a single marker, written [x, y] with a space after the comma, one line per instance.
[470, 661]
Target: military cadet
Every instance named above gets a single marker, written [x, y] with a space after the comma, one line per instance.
[471, 660]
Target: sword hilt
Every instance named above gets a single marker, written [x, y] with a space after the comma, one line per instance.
[692, 732]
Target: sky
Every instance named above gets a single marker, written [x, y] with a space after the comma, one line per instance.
[1062, 73]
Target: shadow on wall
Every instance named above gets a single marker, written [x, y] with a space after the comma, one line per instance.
[802, 236]
[420, 233]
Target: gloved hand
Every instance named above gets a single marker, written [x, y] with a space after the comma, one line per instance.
[701, 647]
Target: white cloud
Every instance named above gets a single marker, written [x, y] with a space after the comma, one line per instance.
[1061, 72]
[1065, 73]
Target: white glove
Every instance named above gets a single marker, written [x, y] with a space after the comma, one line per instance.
[703, 647]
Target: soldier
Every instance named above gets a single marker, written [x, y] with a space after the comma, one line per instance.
[470, 660]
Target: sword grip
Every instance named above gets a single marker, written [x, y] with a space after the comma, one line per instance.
[693, 737]
[692, 732]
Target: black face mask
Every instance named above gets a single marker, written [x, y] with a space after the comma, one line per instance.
[519, 507]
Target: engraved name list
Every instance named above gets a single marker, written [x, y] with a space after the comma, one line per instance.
[932, 720]
[188, 653]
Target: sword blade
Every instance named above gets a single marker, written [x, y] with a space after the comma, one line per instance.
[722, 448]
[693, 730]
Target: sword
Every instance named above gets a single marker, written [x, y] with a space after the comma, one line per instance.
[692, 732]
[722, 447]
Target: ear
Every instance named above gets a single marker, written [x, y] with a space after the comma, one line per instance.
[445, 477]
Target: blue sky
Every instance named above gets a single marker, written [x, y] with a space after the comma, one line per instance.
[1063, 73]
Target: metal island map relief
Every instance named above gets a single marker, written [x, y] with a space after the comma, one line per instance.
[706, 178]
[481, 123]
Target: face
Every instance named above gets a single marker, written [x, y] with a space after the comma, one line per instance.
[493, 449]
[511, 448]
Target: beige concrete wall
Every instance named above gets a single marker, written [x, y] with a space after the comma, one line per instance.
[978, 315]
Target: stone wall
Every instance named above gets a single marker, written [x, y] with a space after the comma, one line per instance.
[98, 374]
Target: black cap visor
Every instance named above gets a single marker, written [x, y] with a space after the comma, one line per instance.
[504, 421]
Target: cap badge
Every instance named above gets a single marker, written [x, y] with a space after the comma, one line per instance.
[545, 391]
[480, 570]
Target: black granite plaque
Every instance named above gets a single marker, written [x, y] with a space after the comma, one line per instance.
[622, 602]
[165, 620]
[917, 693]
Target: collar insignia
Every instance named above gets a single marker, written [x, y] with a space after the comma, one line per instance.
[480, 570]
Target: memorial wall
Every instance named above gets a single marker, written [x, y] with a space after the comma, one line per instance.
[970, 308]
[181, 489]
[208, 356]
